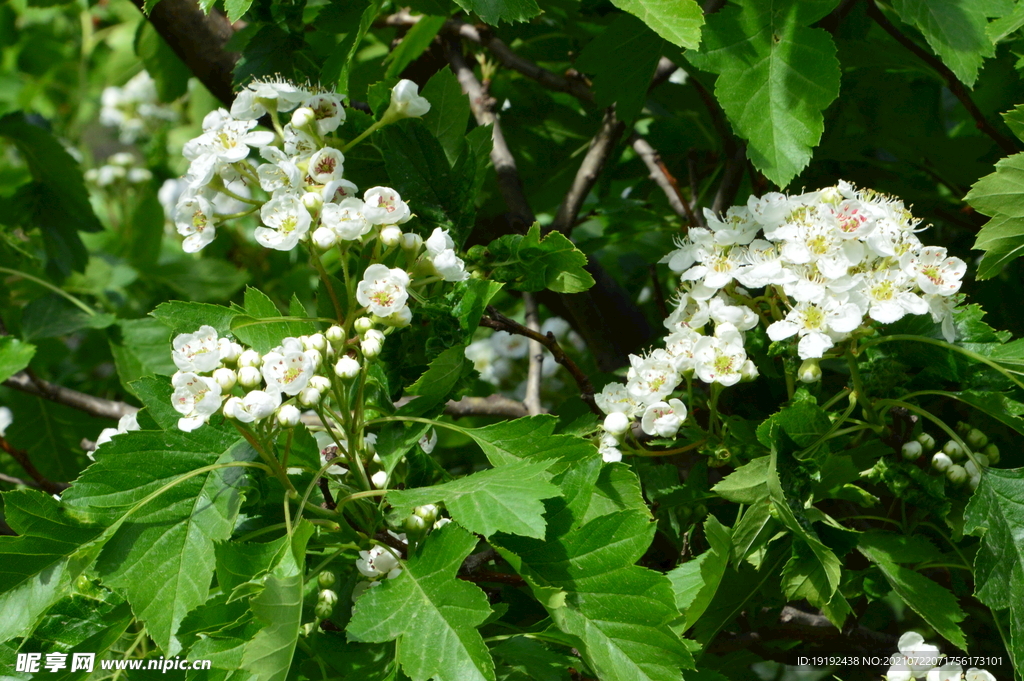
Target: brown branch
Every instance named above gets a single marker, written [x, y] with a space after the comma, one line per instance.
[198, 39]
[493, 577]
[21, 456]
[499, 322]
[958, 89]
[325, 490]
[397, 544]
[600, 150]
[662, 177]
[478, 560]
[94, 406]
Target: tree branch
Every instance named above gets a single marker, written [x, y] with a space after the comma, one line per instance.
[27, 382]
[21, 456]
[601, 147]
[11, 480]
[662, 177]
[492, 405]
[958, 89]
[499, 322]
[198, 39]
[536, 354]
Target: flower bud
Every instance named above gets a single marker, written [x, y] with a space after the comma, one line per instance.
[363, 324]
[122, 158]
[335, 334]
[391, 236]
[616, 423]
[953, 450]
[809, 371]
[912, 450]
[982, 460]
[313, 201]
[226, 378]
[232, 406]
[229, 350]
[326, 579]
[927, 441]
[976, 439]
[347, 368]
[412, 242]
[309, 397]
[323, 611]
[250, 358]
[972, 469]
[428, 512]
[315, 342]
[992, 452]
[249, 377]
[748, 371]
[379, 479]
[288, 416]
[324, 238]
[941, 462]
[315, 357]
[321, 383]
[415, 526]
[962, 428]
[974, 481]
[399, 318]
[372, 343]
[302, 117]
[956, 474]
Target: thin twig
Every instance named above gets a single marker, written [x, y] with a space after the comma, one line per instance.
[21, 456]
[600, 150]
[499, 322]
[11, 480]
[662, 177]
[492, 405]
[27, 382]
[493, 577]
[536, 353]
[325, 490]
[958, 89]
[478, 560]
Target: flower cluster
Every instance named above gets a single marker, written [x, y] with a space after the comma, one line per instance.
[119, 169]
[134, 109]
[830, 262]
[920, 660]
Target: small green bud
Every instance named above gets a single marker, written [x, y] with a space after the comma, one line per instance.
[927, 441]
[809, 371]
[992, 452]
[326, 579]
[323, 611]
[428, 512]
[912, 450]
[976, 439]
[956, 474]
[962, 428]
[415, 525]
[953, 450]
[328, 596]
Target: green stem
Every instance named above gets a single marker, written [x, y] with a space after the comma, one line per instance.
[716, 390]
[315, 258]
[59, 291]
[937, 421]
[858, 387]
[232, 216]
[366, 133]
[272, 463]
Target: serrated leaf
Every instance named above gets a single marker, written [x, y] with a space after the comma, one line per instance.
[428, 593]
[532, 263]
[185, 317]
[677, 21]
[503, 499]
[695, 584]
[525, 659]
[996, 514]
[494, 12]
[142, 348]
[955, 30]
[261, 327]
[776, 77]
[1014, 118]
[748, 484]
[804, 577]
[236, 8]
[443, 374]
[449, 112]
[529, 438]
[14, 356]
[414, 43]
[162, 559]
[617, 488]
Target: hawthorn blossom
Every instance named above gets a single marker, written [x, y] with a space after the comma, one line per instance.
[288, 367]
[406, 101]
[286, 220]
[327, 111]
[933, 271]
[346, 219]
[194, 220]
[255, 406]
[326, 165]
[450, 266]
[196, 398]
[383, 290]
[718, 361]
[259, 97]
[280, 171]
[663, 418]
[384, 206]
[126, 424]
[197, 352]
[816, 325]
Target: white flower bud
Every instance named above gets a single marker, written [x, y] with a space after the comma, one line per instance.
[399, 318]
[315, 357]
[226, 378]
[809, 371]
[927, 441]
[321, 383]
[748, 371]
[372, 343]
[976, 439]
[139, 175]
[288, 416]
[324, 238]
[250, 358]
[229, 350]
[309, 397]
[956, 474]
[912, 450]
[412, 242]
[249, 377]
[347, 368]
[302, 117]
[992, 452]
[974, 481]
[379, 479]
[122, 158]
[982, 460]
[972, 469]
[941, 462]
[315, 342]
[313, 201]
[953, 450]
[363, 324]
[335, 334]
[391, 236]
[232, 407]
[616, 423]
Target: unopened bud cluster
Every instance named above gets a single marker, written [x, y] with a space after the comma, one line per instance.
[951, 459]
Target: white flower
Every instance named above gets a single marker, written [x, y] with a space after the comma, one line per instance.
[615, 398]
[438, 242]
[224, 145]
[377, 561]
[680, 347]
[763, 266]
[815, 325]
[975, 674]
[383, 290]
[918, 658]
[287, 368]
[886, 296]
[450, 266]
[718, 266]
[299, 144]
[406, 101]
[717, 361]
[738, 226]
[198, 352]
[6, 419]
[337, 191]
[327, 110]
[280, 172]
[740, 316]
[651, 379]
[196, 398]
[933, 271]
[256, 405]
[663, 418]
[608, 448]
[941, 308]
[286, 220]
[259, 96]
[125, 424]
[194, 220]
[428, 441]
[384, 206]
[689, 313]
[326, 165]
[346, 219]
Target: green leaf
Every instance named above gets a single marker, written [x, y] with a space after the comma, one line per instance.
[805, 577]
[996, 514]
[503, 499]
[270, 52]
[617, 488]
[168, 71]
[998, 196]
[415, 43]
[142, 349]
[14, 356]
[529, 438]
[449, 112]
[53, 315]
[442, 376]
[776, 77]
[1014, 118]
[525, 659]
[39, 565]
[899, 548]
[677, 21]
[50, 434]
[933, 602]
[260, 328]
[532, 263]
[337, 67]
[623, 82]
[748, 484]
[495, 11]
[445, 644]
[696, 582]
[56, 201]
[955, 30]
[236, 9]
[162, 559]
[183, 317]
